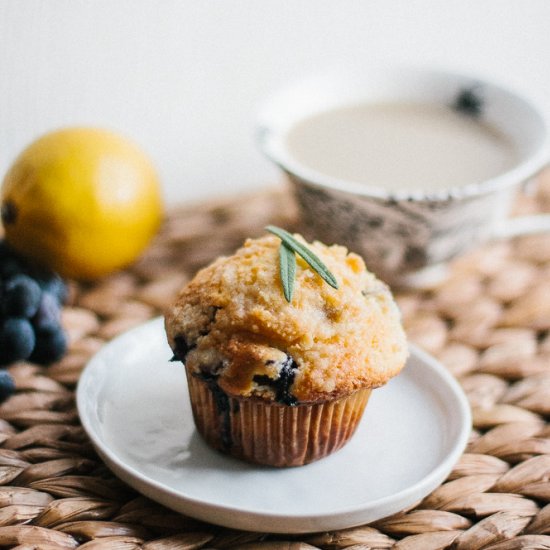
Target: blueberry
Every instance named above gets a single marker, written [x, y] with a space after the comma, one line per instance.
[48, 316]
[55, 285]
[21, 297]
[10, 266]
[16, 340]
[7, 385]
[50, 346]
[5, 250]
[30, 316]
[221, 402]
[283, 383]
[10, 263]
[182, 348]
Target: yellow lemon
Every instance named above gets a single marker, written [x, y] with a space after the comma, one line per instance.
[81, 201]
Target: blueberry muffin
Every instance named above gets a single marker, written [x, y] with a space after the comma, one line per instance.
[282, 382]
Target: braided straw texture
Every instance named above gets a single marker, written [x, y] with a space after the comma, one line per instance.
[489, 323]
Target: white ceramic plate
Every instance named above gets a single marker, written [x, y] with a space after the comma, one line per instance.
[134, 405]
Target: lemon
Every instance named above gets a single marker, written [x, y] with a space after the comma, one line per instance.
[81, 201]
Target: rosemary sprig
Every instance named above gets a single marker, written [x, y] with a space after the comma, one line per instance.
[287, 266]
[287, 261]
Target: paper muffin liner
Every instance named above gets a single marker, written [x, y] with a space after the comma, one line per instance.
[270, 433]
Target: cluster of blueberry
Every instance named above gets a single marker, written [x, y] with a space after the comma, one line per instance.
[30, 313]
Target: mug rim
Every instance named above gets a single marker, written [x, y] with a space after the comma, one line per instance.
[271, 143]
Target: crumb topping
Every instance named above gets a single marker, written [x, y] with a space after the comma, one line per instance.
[232, 321]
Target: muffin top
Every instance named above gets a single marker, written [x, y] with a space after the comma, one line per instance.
[232, 324]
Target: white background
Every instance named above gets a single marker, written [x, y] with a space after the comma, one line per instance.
[184, 77]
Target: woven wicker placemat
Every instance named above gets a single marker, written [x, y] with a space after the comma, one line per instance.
[489, 323]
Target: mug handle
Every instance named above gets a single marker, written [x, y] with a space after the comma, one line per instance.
[506, 229]
[522, 225]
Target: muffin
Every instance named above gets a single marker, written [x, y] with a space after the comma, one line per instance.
[280, 382]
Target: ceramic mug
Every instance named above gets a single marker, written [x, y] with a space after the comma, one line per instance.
[407, 236]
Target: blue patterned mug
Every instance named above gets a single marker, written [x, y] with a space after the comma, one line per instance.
[406, 236]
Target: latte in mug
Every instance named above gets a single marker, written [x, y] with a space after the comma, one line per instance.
[401, 146]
